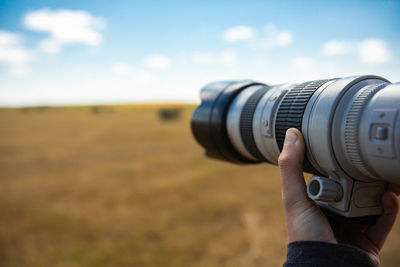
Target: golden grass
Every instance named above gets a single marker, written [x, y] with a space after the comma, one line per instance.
[122, 188]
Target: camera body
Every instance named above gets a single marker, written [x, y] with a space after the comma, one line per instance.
[351, 129]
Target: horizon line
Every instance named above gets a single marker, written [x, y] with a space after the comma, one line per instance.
[133, 105]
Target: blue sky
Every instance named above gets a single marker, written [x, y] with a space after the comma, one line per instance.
[83, 52]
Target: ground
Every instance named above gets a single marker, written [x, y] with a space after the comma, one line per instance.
[116, 186]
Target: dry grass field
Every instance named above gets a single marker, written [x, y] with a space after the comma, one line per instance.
[118, 187]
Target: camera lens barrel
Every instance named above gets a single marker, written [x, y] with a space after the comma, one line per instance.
[350, 125]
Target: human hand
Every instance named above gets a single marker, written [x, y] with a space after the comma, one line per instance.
[305, 220]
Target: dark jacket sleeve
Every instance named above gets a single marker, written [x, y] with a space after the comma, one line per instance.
[315, 254]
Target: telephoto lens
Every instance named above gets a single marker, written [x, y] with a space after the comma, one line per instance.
[351, 129]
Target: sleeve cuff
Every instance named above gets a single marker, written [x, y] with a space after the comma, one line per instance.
[315, 253]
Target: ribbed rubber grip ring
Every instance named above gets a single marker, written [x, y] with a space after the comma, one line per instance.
[246, 123]
[291, 111]
[351, 133]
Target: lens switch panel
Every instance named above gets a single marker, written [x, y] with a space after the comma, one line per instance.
[381, 136]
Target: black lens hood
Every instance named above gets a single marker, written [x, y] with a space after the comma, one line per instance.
[208, 121]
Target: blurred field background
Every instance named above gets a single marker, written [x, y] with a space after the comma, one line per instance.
[116, 186]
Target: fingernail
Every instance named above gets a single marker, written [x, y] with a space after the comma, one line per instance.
[290, 137]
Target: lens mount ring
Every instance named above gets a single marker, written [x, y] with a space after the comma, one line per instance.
[246, 124]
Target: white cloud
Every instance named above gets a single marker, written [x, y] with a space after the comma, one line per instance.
[284, 38]
[157, 62]
[126, 70]
[122, 68]
[277, 36]
[304, 68]
[238, 33]
[203, 58]
[225, 57]
[12, 53]
[273, 37]
[334, 47]
[65, 27]
[373, 51]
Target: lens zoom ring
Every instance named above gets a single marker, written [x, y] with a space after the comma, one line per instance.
[291, 111]
[246, 123]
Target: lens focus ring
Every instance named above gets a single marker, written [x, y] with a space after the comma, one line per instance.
[291, 111]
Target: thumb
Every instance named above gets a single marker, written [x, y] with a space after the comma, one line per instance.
[291, 167]
[304, 220]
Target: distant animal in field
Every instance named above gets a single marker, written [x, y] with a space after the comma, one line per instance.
[169, 114]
